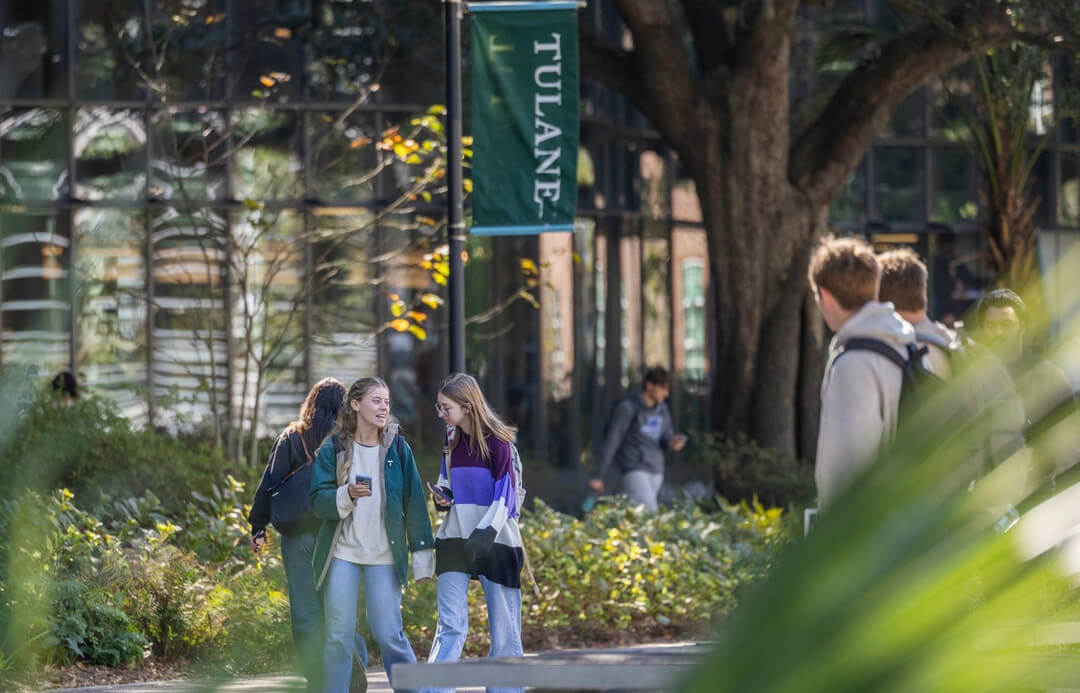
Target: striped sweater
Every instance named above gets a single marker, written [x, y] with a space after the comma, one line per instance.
[479, 534]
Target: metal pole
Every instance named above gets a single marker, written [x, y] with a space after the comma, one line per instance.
[455, 225]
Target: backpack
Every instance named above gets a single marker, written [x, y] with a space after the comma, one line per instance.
[918, 383]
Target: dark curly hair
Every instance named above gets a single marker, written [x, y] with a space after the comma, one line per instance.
[319, 412]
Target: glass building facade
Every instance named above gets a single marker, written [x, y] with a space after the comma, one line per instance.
[196, 220]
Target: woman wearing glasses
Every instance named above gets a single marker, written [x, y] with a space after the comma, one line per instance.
[479, 538]
[367, 491]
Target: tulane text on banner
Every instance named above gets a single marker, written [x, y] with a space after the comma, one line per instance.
[524, 117]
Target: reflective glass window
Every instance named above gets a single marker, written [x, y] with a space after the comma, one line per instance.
[345, 163]
[898, 183]
[266, 164]
[188, 329]
[849, 205]
[33, 154]
[191, 149]
[110, 271]
[35, 293]
[33, 50]
[953, 195]
[1069, 192]
[113, 54]
[656, 299]
[110, 153]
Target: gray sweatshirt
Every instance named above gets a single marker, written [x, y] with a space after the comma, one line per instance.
[636, 438]
[860, 398]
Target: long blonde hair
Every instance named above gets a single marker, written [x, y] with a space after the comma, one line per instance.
[463, 390]
[346, 423]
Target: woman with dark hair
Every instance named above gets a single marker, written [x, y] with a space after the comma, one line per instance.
[293, 449]
[367, 491]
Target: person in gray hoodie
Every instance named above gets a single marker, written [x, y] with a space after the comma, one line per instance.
[637, 435]
[860, 391]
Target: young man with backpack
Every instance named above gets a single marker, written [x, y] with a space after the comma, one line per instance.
[636, 436]
[984, 388]
[861, 388]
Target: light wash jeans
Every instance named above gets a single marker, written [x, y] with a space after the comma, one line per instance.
[382, 604]
[306, 610]
[504, 621]
[642, 487]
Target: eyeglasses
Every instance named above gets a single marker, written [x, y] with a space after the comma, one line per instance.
[443, 411]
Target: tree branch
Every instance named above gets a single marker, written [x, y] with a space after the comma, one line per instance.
[713, 40]
[831, 147]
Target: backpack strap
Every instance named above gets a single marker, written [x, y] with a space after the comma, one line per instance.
[878, 347]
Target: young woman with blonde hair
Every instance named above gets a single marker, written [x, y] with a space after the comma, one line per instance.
[367, 491]
[479, 538]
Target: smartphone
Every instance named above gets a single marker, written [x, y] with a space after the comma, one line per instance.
[361, 479]
[440, 492]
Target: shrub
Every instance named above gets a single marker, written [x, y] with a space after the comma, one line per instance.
[742, 470]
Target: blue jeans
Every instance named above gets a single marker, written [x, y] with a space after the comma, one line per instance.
[306, 610]
[504, 620]
[382, 603]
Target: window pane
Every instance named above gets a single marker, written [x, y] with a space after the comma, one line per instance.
[685, 205]
[630, 305]
[110, 49]
[33, 45]
[189, 345]
[268, 309]
[849, 205]
[111, 316]
[35, 311]
[190, 148]
[693, 315]
[953, 200]
[656, 302]
[654, 184]
[344, 317]
[907, 119]
[1069, 193]
[343, 156]
[110, 154]
[266, 164]
[190, 48]
[950, 97]
[33, 154]
[898, 183]
[267, 50]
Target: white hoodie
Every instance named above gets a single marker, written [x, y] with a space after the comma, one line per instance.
[860, 397]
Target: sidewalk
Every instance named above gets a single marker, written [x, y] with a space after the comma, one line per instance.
[377, 683]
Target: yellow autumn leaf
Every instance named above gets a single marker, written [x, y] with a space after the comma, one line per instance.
[437, 109]
[418, 332]
[528, 266]
[426, 195]
[360, 142]
[439, 278]
[266, 81]
[416, 316]
[394, 297]
[401, 324]
[400, 151]
[283, 32]
[431, 300]
[413, 159]
[443, 267]
[397, 308]
[467, 140]
[427, 264]
[468, 185]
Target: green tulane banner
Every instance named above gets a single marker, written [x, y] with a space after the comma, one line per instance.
[524, 116]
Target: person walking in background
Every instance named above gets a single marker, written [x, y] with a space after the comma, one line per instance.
[637, 434]
[366, 490]
[479, 537]
[292, 450]
[860, 390]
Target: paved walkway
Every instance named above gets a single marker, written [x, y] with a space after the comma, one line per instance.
[377, 683]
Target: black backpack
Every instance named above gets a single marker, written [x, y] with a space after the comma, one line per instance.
[918, 385]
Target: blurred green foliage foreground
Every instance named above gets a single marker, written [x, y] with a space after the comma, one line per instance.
[935, 571]
[148, 554]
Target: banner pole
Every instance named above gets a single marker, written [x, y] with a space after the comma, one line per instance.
[455, 224]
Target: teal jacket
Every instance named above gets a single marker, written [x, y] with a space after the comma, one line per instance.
[407, 524]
